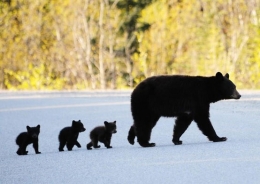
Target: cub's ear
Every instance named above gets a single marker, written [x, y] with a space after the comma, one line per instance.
[105, 123]
[227, 75]
[74, 122]
[219, 76]
[28, 128]
[38, 126]
[114, 122]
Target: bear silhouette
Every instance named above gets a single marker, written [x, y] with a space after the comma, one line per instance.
[68, 136]
[102, 134]
[186, 97]
[26, 138]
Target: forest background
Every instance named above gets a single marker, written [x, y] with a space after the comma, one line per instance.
[115, 44]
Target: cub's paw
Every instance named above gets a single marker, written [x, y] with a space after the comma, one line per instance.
[147, 144]
[151, 145]
[89, 147]
[219, 139]
[24, 153]
[38, 152]
[177, 142]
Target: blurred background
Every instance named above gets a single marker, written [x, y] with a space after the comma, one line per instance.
[115, 44]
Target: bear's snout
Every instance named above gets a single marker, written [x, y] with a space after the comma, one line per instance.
[235, 95]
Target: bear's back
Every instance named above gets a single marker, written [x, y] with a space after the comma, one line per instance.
[170, 94]
[98, 131]
[65, 133]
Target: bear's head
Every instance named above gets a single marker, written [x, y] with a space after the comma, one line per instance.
[110, 127]
[226, 87]
[33, 132]
[78, 126]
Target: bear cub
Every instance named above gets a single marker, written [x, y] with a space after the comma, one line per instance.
[26, 138]
[68, 136]
[102, 134]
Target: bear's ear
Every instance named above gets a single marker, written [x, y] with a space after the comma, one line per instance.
[114, 122]
[38, 126]
[105, 123]
[28, 128]
[227, 75]
[219, 76]
[74, 122]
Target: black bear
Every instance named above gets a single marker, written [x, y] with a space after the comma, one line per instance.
[102, 134]
[68, 136]
[186, 97]
[26, 138]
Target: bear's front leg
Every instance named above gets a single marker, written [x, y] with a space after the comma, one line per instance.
[107, 144]
[207, 129]
[77, 144]
[35, 146]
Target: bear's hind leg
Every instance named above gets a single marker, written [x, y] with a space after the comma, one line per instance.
[95, 142]
[144, 130]
[181, 124]
[131, 135]
[19, 151]
[62, 144]
[22, 149]
[70, 145]
[89, 145]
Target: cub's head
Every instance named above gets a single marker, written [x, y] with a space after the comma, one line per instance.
[226, 87]
[33, 132]
[110, 127]
[78, 126]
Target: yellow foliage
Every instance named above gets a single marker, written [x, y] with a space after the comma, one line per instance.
[35, 78]
[48, 44]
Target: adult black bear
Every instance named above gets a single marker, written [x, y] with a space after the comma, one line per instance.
[102, 134]
[26, 138]
[68, 136]
[186, 97]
